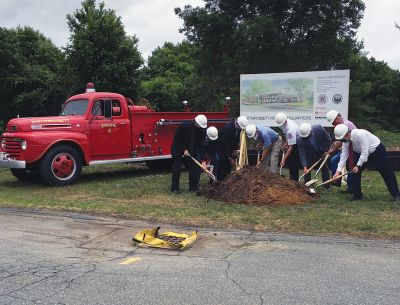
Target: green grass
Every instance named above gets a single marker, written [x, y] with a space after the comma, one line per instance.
[390, 139]
[135, 192]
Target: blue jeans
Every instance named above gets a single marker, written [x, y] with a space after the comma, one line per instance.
[333, 164]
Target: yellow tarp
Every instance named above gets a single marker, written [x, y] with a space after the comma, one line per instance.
[167, 240]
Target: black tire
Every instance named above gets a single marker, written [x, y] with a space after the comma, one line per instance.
[61, 166]
[24, 174]
[159, 165]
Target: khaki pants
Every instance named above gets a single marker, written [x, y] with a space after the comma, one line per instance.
[271, 160]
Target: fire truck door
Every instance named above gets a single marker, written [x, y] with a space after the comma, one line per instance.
[109, 136]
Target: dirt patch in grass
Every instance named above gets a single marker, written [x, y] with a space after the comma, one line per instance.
[254, 186]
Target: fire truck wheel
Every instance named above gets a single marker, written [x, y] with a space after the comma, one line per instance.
[24, 174]
[61, 166]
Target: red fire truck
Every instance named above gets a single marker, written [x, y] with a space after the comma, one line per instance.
[93, 128]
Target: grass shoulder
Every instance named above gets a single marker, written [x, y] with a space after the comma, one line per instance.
[135, 192]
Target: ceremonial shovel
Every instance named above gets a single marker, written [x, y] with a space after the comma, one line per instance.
[210, 174]
[309, 170]
[314, 190]
[315, 180]
[281, 168]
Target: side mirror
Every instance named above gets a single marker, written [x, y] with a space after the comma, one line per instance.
[107, 109]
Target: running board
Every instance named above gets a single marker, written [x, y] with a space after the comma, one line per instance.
[130, 160]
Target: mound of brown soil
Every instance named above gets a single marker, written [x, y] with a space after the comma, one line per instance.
[254, 186]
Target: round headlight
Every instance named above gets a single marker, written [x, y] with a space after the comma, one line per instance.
[23, 145]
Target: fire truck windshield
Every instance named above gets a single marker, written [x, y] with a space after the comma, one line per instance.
[75, 107]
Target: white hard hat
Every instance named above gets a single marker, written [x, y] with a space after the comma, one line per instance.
[340, 131]
[280, 118]
[251, 130]
[242, 121]
[305, 130]
[201, 120]
[331, 116]
[212, 133]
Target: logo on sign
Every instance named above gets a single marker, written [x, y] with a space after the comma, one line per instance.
[322, 99]
[337, 98]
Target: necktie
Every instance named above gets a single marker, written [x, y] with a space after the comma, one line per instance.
[351, 156]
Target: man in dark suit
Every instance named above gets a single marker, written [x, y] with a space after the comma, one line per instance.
[314, 142]
[228, 143]
[188, 139]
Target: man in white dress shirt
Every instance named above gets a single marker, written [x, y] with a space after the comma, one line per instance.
[291, 131]
[367, 149]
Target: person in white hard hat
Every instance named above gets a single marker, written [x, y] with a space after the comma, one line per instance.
[313, 143]
[228, 143]
[188, 139]
[271, 143]
[291, 131]
[335, 118]
[368, 149]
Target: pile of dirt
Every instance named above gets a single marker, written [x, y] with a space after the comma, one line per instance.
[255, 186]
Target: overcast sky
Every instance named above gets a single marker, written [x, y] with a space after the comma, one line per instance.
[154, 22]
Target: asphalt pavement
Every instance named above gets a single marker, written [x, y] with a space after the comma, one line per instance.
[51, 257]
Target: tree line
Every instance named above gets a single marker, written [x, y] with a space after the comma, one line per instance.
[224, 39]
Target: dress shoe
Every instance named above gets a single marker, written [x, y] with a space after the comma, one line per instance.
[356, 198]
[347, 191]
[396, 198]
[176, 191]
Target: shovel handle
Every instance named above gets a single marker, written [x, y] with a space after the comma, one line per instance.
[280, 170]
[202, 167]
[333, 179]
[258, 157]
[309, 170]
[322, 165]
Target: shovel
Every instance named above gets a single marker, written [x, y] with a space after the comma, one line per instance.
[210, 174]
[315, 180]
[258, 158]
[314, 190]
[281, 168]
[309, 170]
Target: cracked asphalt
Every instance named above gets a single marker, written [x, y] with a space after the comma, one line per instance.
[66, 258]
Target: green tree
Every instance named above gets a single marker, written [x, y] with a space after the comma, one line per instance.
[259, 87]
[265, 36]
[300, 85]
[101, 52]
[374, 94]
[169, 76]
[30, 74]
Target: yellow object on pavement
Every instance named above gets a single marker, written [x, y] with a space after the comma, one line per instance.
[167, 240]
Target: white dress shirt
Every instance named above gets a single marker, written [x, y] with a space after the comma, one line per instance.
[363, 143]
[291, 131]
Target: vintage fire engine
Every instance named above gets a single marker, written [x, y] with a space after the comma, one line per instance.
[93, 128]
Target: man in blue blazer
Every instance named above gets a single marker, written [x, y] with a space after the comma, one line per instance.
[313, 143]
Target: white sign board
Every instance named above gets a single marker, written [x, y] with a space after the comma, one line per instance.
[302, 96]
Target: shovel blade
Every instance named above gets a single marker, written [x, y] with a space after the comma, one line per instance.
[311, 182]
[311, 191]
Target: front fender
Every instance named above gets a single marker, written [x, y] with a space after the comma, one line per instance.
[39, 143]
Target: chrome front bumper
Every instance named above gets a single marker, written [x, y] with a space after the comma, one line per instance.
[7, 161]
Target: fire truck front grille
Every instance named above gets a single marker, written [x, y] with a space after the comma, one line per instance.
[12, 146]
